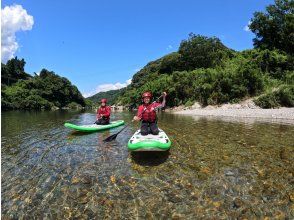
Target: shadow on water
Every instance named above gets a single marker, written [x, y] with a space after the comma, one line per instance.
[150, 158]
[79, 133]
[83, 133]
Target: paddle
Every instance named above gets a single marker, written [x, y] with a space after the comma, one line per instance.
[112, 137]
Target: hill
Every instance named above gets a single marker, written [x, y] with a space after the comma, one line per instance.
[111, 96]
[205, 70]
[230, 77]
[44, 91]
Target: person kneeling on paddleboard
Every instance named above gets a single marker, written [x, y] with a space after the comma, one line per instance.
[147, 113]
[103, 113]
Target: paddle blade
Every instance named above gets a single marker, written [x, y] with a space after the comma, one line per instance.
[110, 138]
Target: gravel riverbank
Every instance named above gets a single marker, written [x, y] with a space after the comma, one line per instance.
[282, 113]
[245, 109]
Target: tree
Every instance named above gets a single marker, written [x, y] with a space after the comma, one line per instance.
[170, 63]
[13, 71]
[44, 91]
[111, 96]
[203, 52]
[274, 28]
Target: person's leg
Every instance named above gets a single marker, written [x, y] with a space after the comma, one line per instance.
[99, 122]
[154, 128]
[144, 128]
[104, 122]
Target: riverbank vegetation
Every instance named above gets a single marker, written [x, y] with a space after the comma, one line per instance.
[46, 90]
[205, 70]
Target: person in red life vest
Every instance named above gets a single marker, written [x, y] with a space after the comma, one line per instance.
[147, 113]
[103, 113]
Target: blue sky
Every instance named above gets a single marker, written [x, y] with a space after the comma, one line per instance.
[96, 44]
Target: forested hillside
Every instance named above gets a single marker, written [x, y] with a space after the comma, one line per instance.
[205, 70]
[20, 90]
[111, 96]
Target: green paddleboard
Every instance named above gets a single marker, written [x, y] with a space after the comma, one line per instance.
[94, 127]
[149, 142]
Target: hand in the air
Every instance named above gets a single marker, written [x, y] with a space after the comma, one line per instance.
[136, 118]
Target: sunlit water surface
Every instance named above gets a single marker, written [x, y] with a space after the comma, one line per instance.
[215, 169]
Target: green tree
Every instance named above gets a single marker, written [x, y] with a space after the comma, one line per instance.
[13, 71]
[38, 92]
[111, 96]
[203, 52]
[274, 28]
[170, 63]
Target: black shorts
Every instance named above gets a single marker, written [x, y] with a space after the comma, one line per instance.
[149, 128]
[102, 121]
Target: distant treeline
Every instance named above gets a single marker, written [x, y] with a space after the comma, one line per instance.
[111, 96]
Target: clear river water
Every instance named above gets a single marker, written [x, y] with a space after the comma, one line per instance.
[215, 169]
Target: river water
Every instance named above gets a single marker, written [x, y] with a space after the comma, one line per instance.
[215, 169]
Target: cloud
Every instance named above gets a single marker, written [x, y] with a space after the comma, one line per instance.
[108, 87]
[246, 28]
[169, 47]
[13, 19]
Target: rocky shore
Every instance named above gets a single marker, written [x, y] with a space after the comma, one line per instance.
[245, 109]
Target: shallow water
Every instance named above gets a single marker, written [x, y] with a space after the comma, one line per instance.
[215, 169]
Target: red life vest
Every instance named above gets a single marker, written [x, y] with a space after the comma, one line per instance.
[105, 111]
[149, 114]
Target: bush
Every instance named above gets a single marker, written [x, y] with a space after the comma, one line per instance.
[289, 77]
[273, 62]
[73, 105]
[189, 103]
[35, 102]
[284, 96]
[268, 100]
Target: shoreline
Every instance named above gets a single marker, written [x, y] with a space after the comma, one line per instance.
[281, 115]
[272, 114]
[245, 109]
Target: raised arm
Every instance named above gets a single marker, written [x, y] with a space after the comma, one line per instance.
[163, 100]
[162, 104]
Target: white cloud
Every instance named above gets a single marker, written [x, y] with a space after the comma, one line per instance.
[169, 47]
[108, 87]
[246, 28]
[13, 19]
